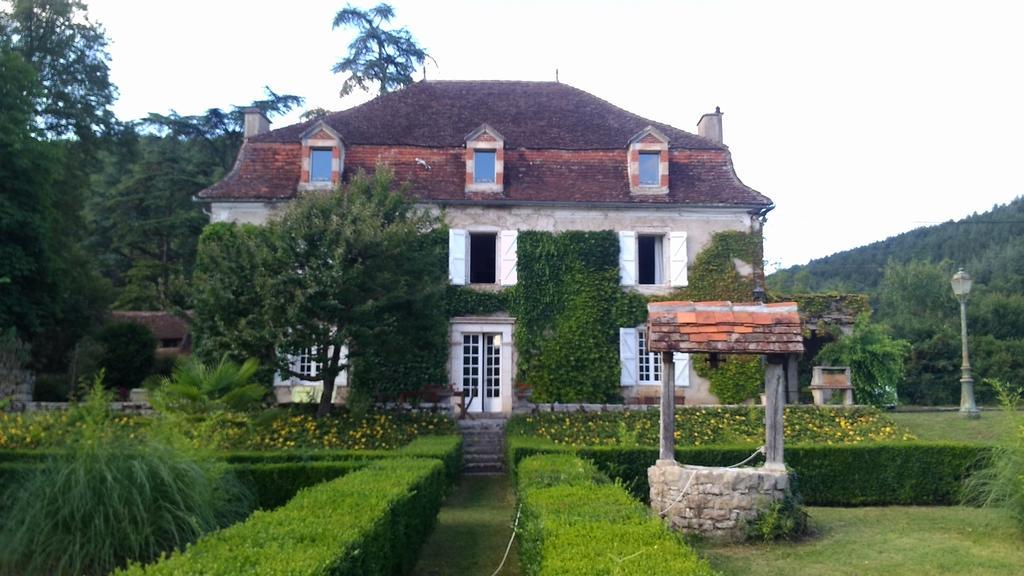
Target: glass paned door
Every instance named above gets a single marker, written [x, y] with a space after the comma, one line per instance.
[481, 372]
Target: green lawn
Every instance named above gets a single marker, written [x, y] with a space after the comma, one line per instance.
[472, 531]
[891, 541]
[951, 426]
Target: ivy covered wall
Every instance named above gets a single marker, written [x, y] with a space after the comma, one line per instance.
[569, 306]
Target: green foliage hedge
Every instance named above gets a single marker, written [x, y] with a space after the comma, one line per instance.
[275, 484]
[574, 522]
[275, 476]
[736, 380]
[904, 473]
[369, 522]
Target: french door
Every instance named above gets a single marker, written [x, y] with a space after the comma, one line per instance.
[481, 371]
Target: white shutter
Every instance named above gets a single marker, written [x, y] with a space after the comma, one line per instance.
[342, 379]
[681, 363]
[627, 356]
[677, 258]
[627, 258]
[457, 257]
[509, 250]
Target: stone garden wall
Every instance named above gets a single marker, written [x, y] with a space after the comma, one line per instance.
[16, 385]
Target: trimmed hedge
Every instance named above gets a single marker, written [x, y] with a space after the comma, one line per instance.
[276, 483]
[904, 473]
[370, 522]
[576, 523]
[277, 476]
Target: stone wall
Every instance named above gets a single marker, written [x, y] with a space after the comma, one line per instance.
[717, 502]
[17, 386]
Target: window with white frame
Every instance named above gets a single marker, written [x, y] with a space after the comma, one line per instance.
[649, 259]
[642, 259]
[650, 168]
[648, 363]
[483, 257]
[306, 363]
[484, 166]
[642, 367]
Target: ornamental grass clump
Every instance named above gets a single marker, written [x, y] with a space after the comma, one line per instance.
[999, 483]
[108, 500]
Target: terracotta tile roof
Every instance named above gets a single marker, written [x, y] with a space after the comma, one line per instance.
[537, 115]
[163, 325]
[561, 145]
[725, 327]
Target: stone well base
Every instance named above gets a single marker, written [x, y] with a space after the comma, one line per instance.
[718, 501]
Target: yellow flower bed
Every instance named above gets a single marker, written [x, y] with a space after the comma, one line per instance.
[274, 430]
[713, 425]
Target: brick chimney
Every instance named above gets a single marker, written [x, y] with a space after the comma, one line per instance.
[710, 125]
[256, 122]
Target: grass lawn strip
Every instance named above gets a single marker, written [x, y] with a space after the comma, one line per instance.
[473, 529]
[894, 541]
[992, 427]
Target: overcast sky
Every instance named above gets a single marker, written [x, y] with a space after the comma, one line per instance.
[859, 119]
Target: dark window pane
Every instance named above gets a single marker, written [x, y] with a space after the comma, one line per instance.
[483, 166]
[482, 264]
[320, 166]
[647, 261]
[650, 168]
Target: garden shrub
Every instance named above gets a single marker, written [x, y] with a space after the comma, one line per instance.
[106, 501]
[367, 523]
[588, 526]
[783, 519]
[882, 474]
[876, 361]
[197, 388]
[128, 354]
[999, 480]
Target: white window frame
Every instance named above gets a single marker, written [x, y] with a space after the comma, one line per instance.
[633, 357]
[674, 255]
[506, 257]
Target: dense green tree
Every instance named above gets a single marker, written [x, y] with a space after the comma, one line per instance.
[26, 204]
[876, 361]
[144, 221]
[230, 319]
[359, 267]
[377, 55]
[69, 53]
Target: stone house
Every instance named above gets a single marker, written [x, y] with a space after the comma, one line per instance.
[504, 157]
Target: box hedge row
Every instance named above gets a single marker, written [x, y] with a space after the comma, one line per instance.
[370, 522]
[575, 522]
[878, 474]
[276, 476]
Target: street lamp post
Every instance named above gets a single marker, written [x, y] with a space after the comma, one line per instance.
[961, 283]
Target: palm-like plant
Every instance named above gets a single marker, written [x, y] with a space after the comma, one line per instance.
[196, 387]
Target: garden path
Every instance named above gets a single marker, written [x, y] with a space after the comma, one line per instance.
[472, 531]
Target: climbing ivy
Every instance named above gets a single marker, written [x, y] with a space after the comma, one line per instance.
[737, 378]
[569, 307]
[713, 275]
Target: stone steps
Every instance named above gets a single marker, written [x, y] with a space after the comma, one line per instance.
[483, 446]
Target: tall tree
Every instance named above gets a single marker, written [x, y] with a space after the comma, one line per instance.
[354, 267]
[387, 57]
[69, 54]
[145, 224]
[26, 203]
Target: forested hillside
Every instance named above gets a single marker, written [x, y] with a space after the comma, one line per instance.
[989, 245]
[907, 277]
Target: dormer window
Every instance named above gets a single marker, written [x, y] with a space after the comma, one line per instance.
[484, 163]
[485, 160]
[323, 158]
[650, 168]
[647, 159]
[320, 160]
